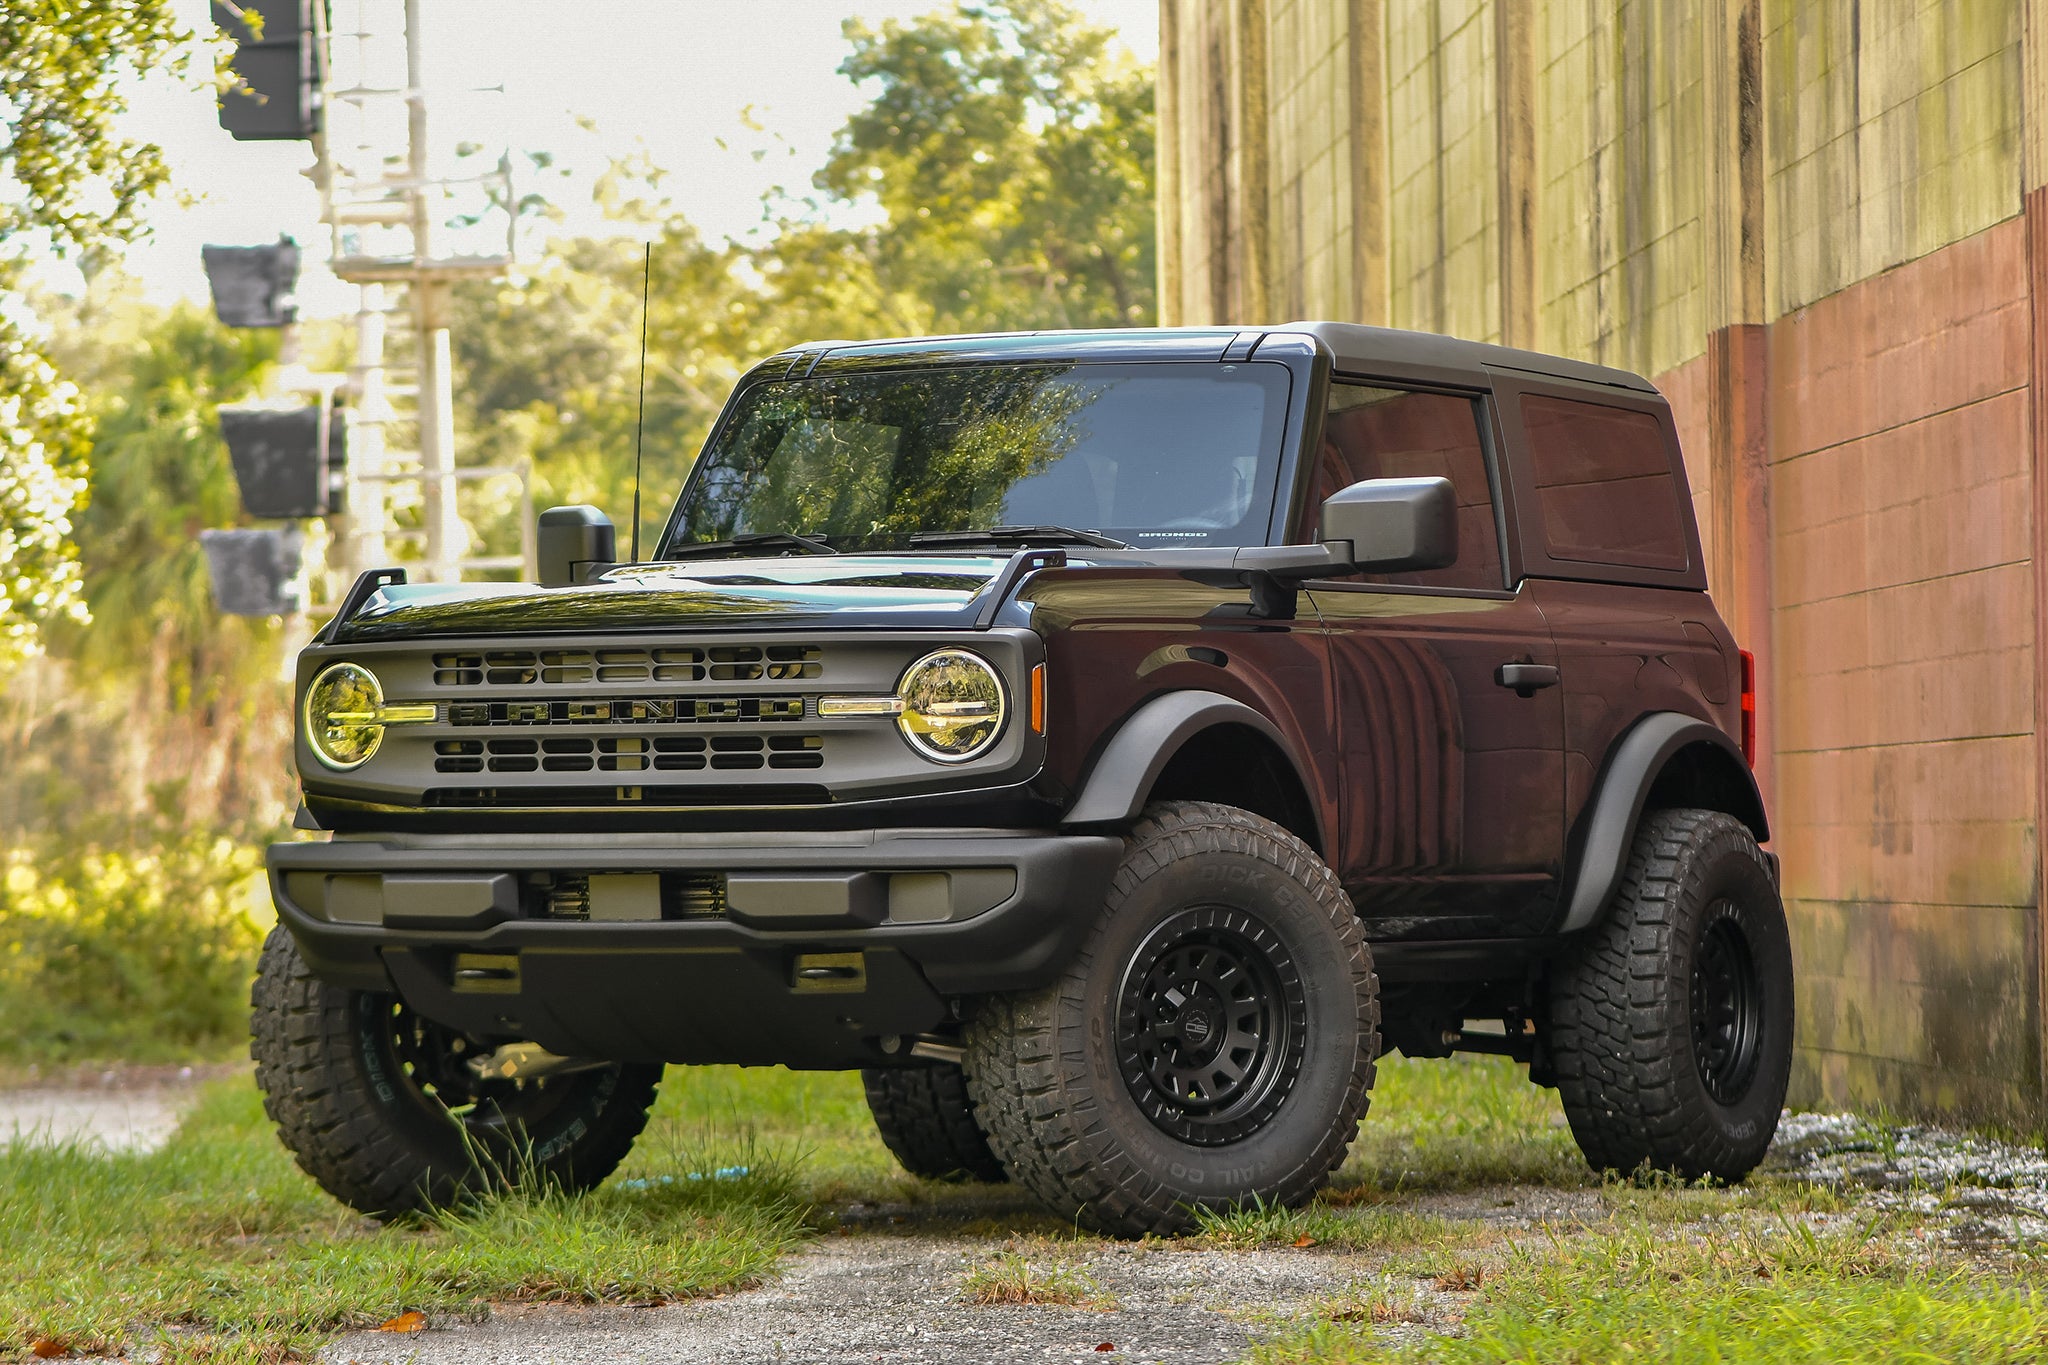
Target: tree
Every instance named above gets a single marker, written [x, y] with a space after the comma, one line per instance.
[1010, 152]
[69, 184]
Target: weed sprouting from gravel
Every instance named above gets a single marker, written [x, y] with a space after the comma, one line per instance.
[1012, 1278]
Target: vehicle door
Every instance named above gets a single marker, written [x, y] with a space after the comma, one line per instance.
[1450, 732]
[1613, 556]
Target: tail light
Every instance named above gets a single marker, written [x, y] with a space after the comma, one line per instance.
[1748, 708]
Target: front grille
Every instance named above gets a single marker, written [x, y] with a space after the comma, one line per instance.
[627, 711]
[665, 753]
[712, 663]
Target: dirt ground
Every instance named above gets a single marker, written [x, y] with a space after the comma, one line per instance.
[877, 1292]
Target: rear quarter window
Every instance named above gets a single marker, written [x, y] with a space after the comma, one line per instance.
[1604, 484]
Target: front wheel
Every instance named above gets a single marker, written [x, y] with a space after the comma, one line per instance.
[1671, 1020]
[378, 1103]
[1211, 1045]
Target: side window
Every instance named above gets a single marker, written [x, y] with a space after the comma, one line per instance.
[1604, 483]
[1376, 433]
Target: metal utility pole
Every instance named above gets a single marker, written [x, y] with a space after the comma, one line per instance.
[446, 539]
[372, 208]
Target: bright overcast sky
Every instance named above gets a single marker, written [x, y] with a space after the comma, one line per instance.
[583, 81]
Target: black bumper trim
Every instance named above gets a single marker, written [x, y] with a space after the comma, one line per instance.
[1020, 944]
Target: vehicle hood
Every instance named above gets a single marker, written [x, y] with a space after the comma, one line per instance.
[881, 591]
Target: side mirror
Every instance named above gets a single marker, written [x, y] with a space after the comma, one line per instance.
[573, 543]
[1391, 525]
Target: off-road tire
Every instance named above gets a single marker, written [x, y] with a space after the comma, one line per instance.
[1638, 1084]
[1051, 1071]
[356, 1121]
[927, 1122]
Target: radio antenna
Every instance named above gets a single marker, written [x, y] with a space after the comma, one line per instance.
[640, 417]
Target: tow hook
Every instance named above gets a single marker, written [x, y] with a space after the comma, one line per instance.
[527, 1062]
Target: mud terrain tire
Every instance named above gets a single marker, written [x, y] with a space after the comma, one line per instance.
[1671, 1020]
[927, 1122]
[1210, 1045]
[342, 1074]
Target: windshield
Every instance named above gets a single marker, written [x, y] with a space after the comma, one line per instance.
[1152, 455]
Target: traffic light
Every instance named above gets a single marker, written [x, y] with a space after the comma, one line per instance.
[253, 286]
[255, 573]
[278, 462]
[277, 67]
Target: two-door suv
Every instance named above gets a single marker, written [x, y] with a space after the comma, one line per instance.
[1107, 742]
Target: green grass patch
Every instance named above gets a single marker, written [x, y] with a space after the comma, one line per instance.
[1456, 1124]
[1772, 1291]
[218, 1247]
[1011, 1277]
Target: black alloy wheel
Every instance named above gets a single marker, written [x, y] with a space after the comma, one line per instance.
[1209, 1046]
[1211, 1025]
[1727, 1007]
[380, 1105]
[431, 1063]
[1670, 1019]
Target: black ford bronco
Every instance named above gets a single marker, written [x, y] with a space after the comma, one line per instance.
[1107, 742]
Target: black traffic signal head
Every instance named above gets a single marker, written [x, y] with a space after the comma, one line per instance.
[253, 285]
[278, 464]
[277, 68]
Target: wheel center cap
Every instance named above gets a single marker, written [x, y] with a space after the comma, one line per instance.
[1196, 1026]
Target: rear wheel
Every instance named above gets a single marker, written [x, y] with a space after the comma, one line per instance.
[1671, 1021]
[379, 1103]
[927, 1122]
[1211, 1044]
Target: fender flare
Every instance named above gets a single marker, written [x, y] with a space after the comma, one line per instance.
[1632, 768]
[1146, 742]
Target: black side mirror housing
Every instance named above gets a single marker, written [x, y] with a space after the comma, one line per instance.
[574, 544]
[1393, 525]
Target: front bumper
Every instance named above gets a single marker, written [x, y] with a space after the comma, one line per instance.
[821, 950]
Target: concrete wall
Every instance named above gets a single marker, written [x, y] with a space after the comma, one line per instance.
[1816, 224]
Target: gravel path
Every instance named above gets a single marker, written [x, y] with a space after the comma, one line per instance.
[129, 1109]
[894, 1298]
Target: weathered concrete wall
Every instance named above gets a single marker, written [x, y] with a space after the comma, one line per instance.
[1804, 219]
[1900, 501]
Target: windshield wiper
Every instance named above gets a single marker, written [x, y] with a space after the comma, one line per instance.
[757, 540]
[1016, 535]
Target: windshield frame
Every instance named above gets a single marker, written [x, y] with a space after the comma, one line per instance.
[1306, 360]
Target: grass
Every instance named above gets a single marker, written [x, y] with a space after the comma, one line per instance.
[1010, 1277]
[216, 1248]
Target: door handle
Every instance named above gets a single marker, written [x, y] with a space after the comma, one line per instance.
[1526, 679]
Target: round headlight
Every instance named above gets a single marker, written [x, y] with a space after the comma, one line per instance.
[340, 716]
[952, 706]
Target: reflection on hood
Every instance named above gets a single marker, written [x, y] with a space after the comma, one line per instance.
[844, 590]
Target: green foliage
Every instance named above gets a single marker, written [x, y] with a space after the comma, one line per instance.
[1013, 155]
[68, 184]
[160, 687]
[81, 186]
[42, 483]
[141, 949]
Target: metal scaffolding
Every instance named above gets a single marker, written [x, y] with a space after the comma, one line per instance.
[387, 212]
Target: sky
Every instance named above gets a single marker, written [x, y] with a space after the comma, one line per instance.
[732, 100]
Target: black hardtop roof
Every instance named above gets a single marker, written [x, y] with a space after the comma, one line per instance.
[1354, 346]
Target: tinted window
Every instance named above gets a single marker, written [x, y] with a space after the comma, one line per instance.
[1373, 433]
[1149, 454]
[1604, 482]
